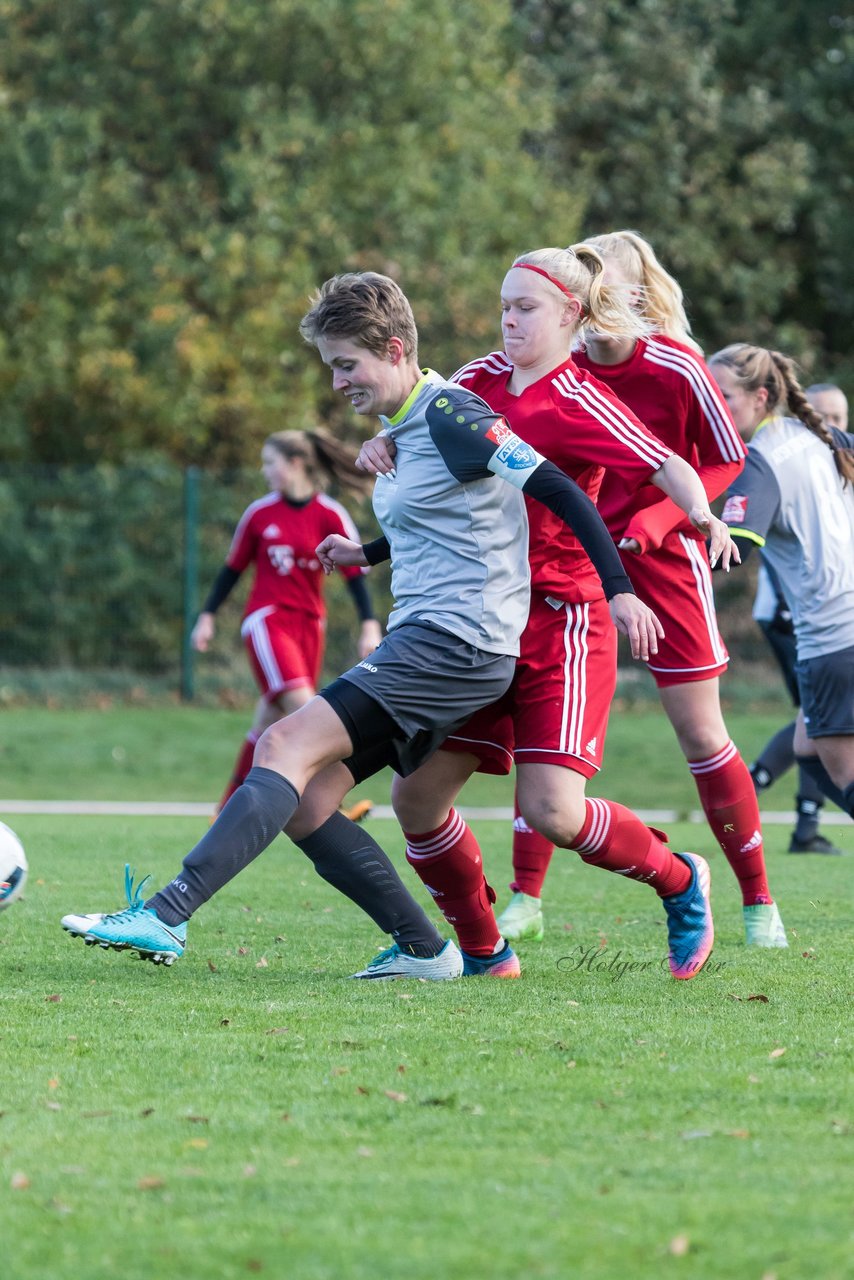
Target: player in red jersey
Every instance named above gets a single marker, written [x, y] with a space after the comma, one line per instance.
[285, 617]
[554, 717]
[663, 378]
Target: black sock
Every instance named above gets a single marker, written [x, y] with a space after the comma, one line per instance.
[251, 820]
[816, 770]
[775, 758]
[848, 799]
[809, 814]
[353, 863]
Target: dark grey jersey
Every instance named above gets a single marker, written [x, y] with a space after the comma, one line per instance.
[790, 500]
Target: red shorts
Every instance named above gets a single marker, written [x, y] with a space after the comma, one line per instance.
[285, 649]
[676, 582]
[556, 709]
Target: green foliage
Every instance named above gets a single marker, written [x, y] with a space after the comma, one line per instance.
[721, 133]
[181, 176]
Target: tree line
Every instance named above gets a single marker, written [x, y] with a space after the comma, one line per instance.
[178, 177]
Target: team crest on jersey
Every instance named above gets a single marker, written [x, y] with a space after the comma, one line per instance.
[272, 531]
[735, 509]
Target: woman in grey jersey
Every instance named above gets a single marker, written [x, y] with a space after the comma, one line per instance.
[795, 500]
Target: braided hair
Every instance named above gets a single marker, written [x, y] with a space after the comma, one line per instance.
[754, 367]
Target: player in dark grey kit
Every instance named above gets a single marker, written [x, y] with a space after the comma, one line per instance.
[457, 537]
[795, 500]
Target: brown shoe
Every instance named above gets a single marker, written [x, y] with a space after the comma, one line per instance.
[358, 811]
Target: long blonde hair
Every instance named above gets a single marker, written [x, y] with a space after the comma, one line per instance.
[660, 297]
[754, 368]
[325, 458]
[580, 270]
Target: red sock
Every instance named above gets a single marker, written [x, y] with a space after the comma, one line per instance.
[242, 765]
[615, 838]
[450, 866]
[729, 802]
[532, 854]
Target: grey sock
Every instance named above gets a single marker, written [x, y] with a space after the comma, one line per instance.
[251, 820]
[353, 863]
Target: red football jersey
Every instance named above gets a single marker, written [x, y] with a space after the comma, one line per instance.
[280, 538]
[669, 387]
[581, 426]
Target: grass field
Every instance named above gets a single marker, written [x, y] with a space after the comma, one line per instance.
[250, 1111]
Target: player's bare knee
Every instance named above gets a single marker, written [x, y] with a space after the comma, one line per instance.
[558, 822]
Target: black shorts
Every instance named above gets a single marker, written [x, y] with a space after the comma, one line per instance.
[827, 694]
[402, 701]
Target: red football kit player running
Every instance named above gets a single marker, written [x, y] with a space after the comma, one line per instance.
[554, 717]
[284, 620]
[666, 383]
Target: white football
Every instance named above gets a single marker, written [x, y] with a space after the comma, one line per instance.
[13, 866]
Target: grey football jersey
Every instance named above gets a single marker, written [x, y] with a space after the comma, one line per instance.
[458, 533]
[790, 500]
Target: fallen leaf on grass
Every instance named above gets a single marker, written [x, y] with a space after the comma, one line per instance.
[54, 999]
[362, 1090]
[277, 1031]
[679, 1246]
[254, 1264]
[401, 1070]
[147, 1111]
[262, 963]
[150, 1183]
[53, 1084]
[762, 999]
[212, 966]
[737, 1133]
[340, 1071]
[198, 1119]
[19, 1182]
[225, 1022]
[572, 1063]
[394, 1096]
[243, 951]
[197, 1144]
[776, 1053]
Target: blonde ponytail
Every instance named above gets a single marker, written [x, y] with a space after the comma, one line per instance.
[659, 296]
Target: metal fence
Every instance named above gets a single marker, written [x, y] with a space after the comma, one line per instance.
[104, 569]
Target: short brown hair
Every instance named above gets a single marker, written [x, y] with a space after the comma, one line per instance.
[365, 306]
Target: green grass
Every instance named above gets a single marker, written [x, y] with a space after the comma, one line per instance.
[252, 1112]
[186, 753]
